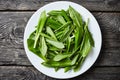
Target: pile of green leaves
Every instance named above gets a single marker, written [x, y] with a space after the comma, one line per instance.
[61, 39]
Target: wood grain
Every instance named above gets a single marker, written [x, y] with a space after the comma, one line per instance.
[13, 57]
[21, 4]
[30, 73]
[20, 73]
[12, 25]
[92, 5]
[97, 5]
[14, 15]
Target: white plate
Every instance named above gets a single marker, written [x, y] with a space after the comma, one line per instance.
[93, 27]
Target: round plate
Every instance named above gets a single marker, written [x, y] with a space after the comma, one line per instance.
[93, 27]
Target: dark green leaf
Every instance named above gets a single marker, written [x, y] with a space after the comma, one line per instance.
[36, 51]
[53, 23]
[64, 14]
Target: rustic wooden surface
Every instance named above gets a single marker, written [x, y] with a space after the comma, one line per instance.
[14, 64]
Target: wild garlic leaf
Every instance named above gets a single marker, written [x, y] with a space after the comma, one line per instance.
[40, 26]
[51, 33]
[43, 46]
[57, 44]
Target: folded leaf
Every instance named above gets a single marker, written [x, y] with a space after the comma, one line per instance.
[59, 64]
[61, 57]
[57, 44]
[51, 33]
[77, 20]
[64, 14]
[40, 26]
[61, 19]
[54, 12]
[36, 51]
[43, 46]
[46, 36]
[53, 23]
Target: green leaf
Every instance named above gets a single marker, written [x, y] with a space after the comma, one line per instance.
[61, 19]
[87, 42]
[86, 46]
[64, 37]
[91, 39]
[89, 34]
[77, 20]
[61, 57]
[50, 55]
[59, 33]
[64, 14]
[68, 43]
[64, 26]
[32, 35]
[30, 43]
[45, 35]
[76, 17]
[52, 48]
[66, 69]
[57, 44]
[51, 33]
[53, 23]
[59, 64]
[43, 46]
[54, 12]
[57, 68]
[74, 59]
[58, 12]
[40, 26]
[79, 64]
[77, 34]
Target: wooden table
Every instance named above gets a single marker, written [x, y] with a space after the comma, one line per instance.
[14, 64]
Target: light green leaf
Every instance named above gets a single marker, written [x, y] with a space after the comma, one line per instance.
[43, 46]
[51, 33]
[57, 44]
[61, 57]
[64, 37]
[61, 19]
[40, 26]
[64, 26]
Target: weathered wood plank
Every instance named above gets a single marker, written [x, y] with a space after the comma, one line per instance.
[97, 5]
[12, 26]
[20, 4]
[92, 5]
[30, 73]
[20, 73]
[110, 27]
[13, 57]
